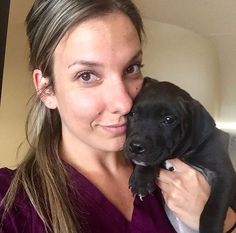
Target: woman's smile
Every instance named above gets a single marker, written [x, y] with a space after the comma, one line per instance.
[115, 129]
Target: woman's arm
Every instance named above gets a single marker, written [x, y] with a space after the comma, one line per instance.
[186, 192]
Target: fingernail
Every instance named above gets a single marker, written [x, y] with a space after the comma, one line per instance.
[169, 166]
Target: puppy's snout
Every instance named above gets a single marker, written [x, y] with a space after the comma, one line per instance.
[136, 147]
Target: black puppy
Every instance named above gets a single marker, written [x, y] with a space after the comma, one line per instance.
[166, 122]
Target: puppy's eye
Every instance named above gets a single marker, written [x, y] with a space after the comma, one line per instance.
[168, 120]
[132, 113]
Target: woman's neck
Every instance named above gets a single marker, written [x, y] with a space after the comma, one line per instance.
[84, 159]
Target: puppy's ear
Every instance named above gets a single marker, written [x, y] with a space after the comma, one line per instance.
[202, 123]
[149, 81]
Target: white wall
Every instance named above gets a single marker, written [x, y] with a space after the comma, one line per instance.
[226, 48]
[184, 58]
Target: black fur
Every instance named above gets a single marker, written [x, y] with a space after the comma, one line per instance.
[166, 122]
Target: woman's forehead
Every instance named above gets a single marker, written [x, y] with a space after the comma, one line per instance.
[96, 38]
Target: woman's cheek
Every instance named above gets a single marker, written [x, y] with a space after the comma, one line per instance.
[137, 88]
[89, 107]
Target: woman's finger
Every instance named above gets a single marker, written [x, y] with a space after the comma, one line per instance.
[163, 186]
[166, 176]
[179, 165]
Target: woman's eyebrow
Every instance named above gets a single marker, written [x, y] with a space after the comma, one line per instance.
[136, 56]
[85, 63]
[94, 64]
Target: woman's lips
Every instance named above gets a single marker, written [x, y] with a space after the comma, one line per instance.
[116, 129]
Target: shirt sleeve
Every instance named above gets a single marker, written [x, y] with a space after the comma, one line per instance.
[178, 225]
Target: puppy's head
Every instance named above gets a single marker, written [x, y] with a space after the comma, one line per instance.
[164, 122]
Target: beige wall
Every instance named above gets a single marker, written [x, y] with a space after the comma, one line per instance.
[16, 85]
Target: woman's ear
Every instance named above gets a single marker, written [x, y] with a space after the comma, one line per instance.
[44, 91]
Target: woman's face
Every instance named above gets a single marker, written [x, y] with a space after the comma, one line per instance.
[97, 76]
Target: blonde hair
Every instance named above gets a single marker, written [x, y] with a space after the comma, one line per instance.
[42, 174]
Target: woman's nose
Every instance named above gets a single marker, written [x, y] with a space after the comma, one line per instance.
[119, 98]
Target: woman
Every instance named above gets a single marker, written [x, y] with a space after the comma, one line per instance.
[86, 60]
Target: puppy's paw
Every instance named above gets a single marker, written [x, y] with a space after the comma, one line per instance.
[141, 186]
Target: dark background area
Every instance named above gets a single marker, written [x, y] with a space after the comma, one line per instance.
[4, 14]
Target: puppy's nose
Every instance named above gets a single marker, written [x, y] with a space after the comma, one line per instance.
[136, 147]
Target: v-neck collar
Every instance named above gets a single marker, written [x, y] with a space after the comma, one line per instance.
[94, 201]
[89, 192]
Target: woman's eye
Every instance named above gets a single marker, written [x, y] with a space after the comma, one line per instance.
[134, 69]
[87, 77]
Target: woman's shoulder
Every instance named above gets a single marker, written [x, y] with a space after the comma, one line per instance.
[6, 176]
[21, 217]
[6, 172]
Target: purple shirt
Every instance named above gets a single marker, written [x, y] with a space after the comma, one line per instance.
[101, 216]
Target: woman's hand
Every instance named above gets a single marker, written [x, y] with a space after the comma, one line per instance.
[230, 220]
[185, 191]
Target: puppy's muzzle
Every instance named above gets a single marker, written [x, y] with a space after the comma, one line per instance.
[138, 151]
[136, 147]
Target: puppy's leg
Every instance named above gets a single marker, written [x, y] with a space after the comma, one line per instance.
[142, 180]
